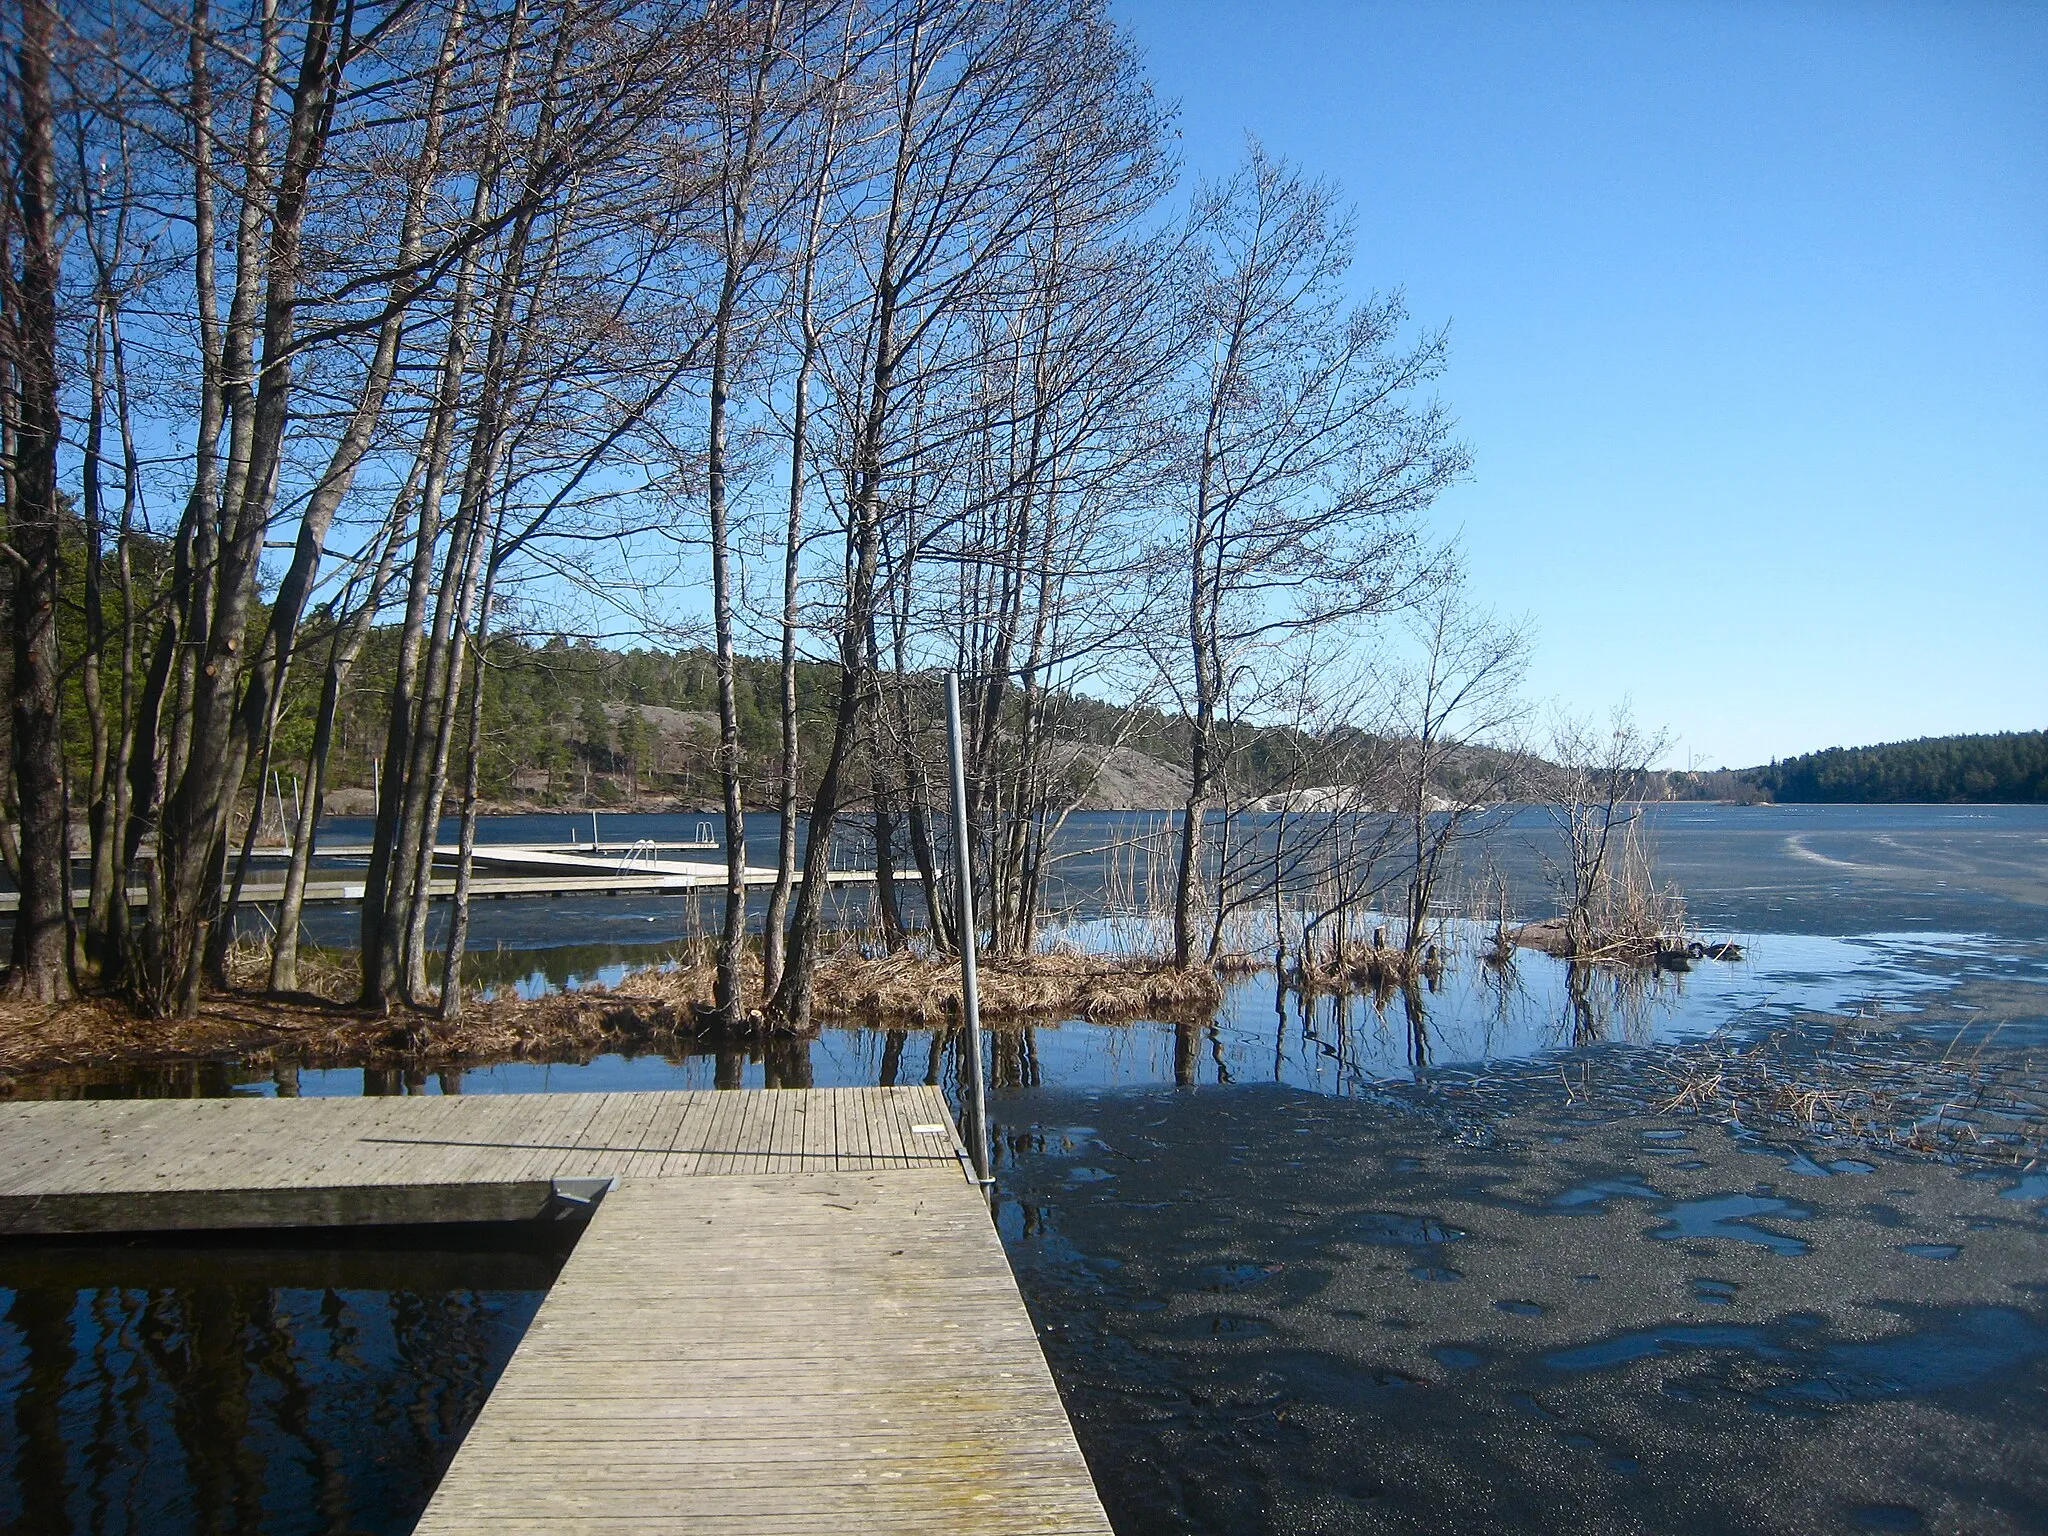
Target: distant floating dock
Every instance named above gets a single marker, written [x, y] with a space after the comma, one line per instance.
[789, 1312]
[551, 873]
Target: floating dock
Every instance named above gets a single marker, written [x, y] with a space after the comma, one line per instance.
[608, 855]
[591, 878]
[788, 1313]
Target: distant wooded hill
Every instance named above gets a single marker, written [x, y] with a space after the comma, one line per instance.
[2011, 766]
[571, 723]
[576, 724]
[580, 724]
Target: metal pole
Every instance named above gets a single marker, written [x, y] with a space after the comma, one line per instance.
[970, 994]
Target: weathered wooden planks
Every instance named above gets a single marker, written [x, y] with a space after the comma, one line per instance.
[790, 1314]
[179, 1164]
[777, 1353]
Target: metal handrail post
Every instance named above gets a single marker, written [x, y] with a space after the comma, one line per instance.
[970, 994]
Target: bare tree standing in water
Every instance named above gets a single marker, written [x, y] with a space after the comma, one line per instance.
[1457, 708]
[1312, 451]
[1596, 772]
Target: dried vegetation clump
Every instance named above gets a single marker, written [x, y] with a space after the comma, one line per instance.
[324, 976]
[1617, 911]
[1888, 1094]
[912, 989]
[1671, 952]
[1368, 967]
[55, 1043]
[38, 1038]
[659, 1008]
[1101, 988]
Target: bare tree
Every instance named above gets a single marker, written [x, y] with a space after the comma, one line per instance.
[1311, 450]
[968, 127]
[759, 114]
[41, 958]
[1063, 449]
[1597, 771]
[1457, 708]
[351, 631]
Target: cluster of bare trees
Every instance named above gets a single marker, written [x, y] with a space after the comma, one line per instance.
[351, 301]
[879, 316]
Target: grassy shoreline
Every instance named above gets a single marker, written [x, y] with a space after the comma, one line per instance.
[647, 1009]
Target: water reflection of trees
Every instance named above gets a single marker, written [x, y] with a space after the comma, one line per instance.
[1013, 1062]
[239, 1407]
[1472, 1012]
[1610, 1002]
[1474, 1009]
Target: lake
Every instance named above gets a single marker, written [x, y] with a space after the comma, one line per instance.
[1344, 1266]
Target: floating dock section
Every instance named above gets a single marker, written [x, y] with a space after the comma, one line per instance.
[788, 1313]
[584, 877]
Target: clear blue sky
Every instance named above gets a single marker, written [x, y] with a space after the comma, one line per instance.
[1750, 329]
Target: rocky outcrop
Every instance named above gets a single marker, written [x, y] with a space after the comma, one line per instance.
[1128, 780]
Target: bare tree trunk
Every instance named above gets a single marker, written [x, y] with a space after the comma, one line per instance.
[728, 999]
[883, 788]
[99, 923]
[191, 837]
[1190, 873]
[786, 771]
[284, 951]
[389, 886]
[1204, 598]
[222, 935]
[737, 192]
[792, 1001]
[186, 816]
[427, 771]
[728, 1002]
[40, 960]
[773, 943]
[347, 644]
[486, 446]
[882, 794]
[119, 931]
[458, 914]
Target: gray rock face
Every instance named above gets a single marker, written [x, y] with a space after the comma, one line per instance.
[1128, 780]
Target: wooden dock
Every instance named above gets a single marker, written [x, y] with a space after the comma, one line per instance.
[789, 1311]
[622, 882]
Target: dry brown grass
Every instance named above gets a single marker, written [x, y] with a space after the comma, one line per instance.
[1368, 967]
[649, 1010]
[323, 973]
[918, 990]
[1900, 1098]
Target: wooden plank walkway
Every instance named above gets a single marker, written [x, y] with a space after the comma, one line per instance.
[790, 1312]
[110, 1165]
[811, 1353]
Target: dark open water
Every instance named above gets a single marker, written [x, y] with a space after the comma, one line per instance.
[1364, 1268]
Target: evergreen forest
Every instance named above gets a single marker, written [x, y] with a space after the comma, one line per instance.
[2011, 766]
